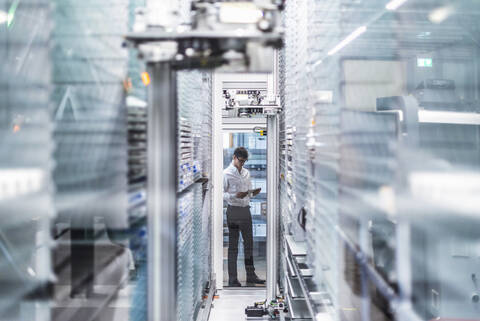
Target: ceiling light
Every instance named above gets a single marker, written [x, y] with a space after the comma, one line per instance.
[440, 14]
[394, 4]
[347, 40]
[11, 13]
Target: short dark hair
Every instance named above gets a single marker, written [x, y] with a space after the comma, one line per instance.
[241, 152]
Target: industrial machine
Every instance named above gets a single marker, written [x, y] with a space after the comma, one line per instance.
[239, 36]
[249, 103]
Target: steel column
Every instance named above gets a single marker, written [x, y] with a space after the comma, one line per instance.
[161, 192]
[272, 207]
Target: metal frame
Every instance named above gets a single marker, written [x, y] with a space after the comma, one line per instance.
[245, 125]
[161, 191]
[242, 125]
[219, 125]
[236, 125]
[217, 175]
[204, 312]
[312, 307]
[272, 206]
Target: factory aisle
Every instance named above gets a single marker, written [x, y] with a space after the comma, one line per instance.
[232, 303]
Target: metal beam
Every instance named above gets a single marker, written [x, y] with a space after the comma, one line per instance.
[161, 192]
[217, 171]
[272, 207]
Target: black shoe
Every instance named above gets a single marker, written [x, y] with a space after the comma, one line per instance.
[253, 280]
[234, 283]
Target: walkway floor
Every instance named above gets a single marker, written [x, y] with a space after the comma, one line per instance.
[231, 304]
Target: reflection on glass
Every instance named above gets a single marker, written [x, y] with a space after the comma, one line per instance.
[391, 162]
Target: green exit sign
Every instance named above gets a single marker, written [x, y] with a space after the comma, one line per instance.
[425, 62]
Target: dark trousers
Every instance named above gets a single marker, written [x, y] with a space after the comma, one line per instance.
[239, 219]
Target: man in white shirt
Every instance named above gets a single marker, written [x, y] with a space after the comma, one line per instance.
[237, 191]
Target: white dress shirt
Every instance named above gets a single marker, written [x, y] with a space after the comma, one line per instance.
[234, 182]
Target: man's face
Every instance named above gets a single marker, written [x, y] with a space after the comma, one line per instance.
[238, 162]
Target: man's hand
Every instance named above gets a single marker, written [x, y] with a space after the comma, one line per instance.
[241, 194]
[256, 191]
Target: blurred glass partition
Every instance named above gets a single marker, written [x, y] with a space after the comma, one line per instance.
[73, 111]
[26, 162]
[92, 259]
[257, 166]
[381, 127]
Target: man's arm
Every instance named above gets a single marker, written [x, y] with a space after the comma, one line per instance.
[227, 196]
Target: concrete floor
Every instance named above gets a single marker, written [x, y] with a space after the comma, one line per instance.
[231, 304]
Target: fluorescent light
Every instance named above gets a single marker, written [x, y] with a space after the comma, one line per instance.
[11, 13]
[440, 14]
[394, 4]
[347, 40]
[3, 17]
[448, 117]
[318, 63]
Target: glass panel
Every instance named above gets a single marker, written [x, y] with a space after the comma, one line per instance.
[257, 165]
[92, 256]
[26, 145]
[381, 129]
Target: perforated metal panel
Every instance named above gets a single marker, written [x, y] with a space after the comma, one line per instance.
[194, 207]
